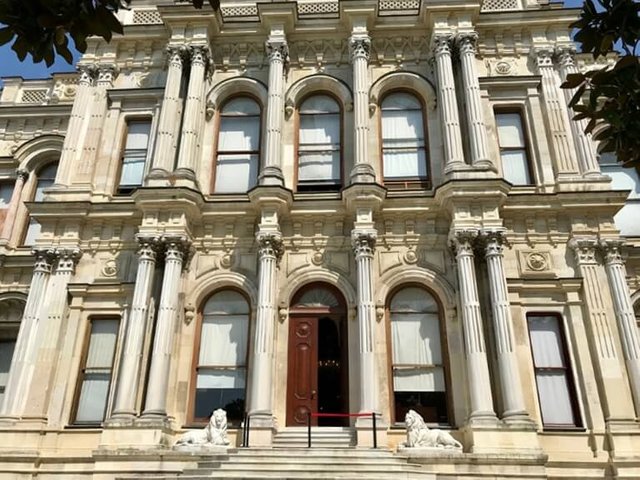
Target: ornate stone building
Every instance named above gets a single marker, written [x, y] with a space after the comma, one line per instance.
[316, 206]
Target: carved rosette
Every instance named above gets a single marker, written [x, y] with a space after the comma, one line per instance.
[359, 47]
[612, 251]
[544, 58]
[442, 45]
[270, 245]
[364, 243]
[277, 51]
[584, 250]
[68, 259]
[88, 74]
[44, 259]
[467, 43]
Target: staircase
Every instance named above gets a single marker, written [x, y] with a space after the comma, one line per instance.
[304, 463]
[327, 437]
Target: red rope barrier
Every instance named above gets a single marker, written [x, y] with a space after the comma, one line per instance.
[341, 414]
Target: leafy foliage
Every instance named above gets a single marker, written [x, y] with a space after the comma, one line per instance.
[609, 97]
[42, 28]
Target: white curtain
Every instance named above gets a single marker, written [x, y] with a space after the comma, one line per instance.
[319, 147]
[226, 301]
[224, 379]
[555, 398]
[510, 132]
[135, 153]
[236, 173]
[515, 167]
[102, 344]
[93, 398]
[546, 342]
[6, 354]
[413, 299]
[223, 340]
[318, 297]
[419, 380]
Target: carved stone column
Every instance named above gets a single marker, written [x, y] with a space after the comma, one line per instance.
[170, 115]
[359, 49]
[270, 251]
[448, 104]
[476, 353]
[50, 331]
[131, 362]
[14, 203]
[510, 385]
[584, 145]
[557, 117]
[475, 120]
[74, 139]
[193, 114]
[629, 335]
[24, 355]
[176, 252]
[364, 242]
[278, 53]
[615, 395]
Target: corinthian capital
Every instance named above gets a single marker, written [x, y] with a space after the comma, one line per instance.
[442, 44]
[44, 259]
[544, 58]
[584, 250]
[364, 242]
[68, 259]
[277, 50]
[177, 55]
[462, 241]
[270, 245]
[566, 57]
[360, 47]
[88, 73]
[22, 174]
[148, 247]
[467, 42]
[612, 251]
[107, 74]
[493, 242]
[177, 248]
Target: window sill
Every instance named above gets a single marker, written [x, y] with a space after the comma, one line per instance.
[561, 430]
[92, 426]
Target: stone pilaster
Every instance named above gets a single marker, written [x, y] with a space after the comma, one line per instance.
[24, 355]
[448, 104]
[192, 124]
[170, 115]
[10, 216]
[625, 316]
[278, 54]
[557, 117]
[476, 353]
[475, 120]
[177, 249]
[359, 49]
[584, 145]
[510, 385]
[124, 408]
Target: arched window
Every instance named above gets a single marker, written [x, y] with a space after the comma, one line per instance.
[44, 179]
[417, 365]
[404, 159]
[238, 152]
[319, 144]
[221, 356]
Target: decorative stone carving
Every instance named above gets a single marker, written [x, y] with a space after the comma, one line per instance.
[214, 434]
[359, 47]
[364, 243]
[88, 74]
[283, 314]
[411, 257]
[277, 51]
[584, 249]
[420, 436]
[270, 244]
[537, 262]
[109, 268]
[317, 258]
[189, 313]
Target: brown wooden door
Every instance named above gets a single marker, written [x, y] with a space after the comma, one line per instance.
[303, 370]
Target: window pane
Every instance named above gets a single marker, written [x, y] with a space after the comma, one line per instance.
[133, 168]
[320, 131]
[223, 340]
[319, 166]
[33, 232]
[226, 301]
[318, 298]
[236, 173]
[515, 167]
[102, 343]
[416, 338]
[555, 398]
[220, 389]
[241, 106]
[401, 101]
[93, 398]
[546, 342]
[6, 354]
[48, 172]
[419, 380]
[320, 104]
[239, 134]
[6, 190]
[413, 299]
[138, 135]
[431, 405]
[404, 125]
[404, 163]
[510, 132]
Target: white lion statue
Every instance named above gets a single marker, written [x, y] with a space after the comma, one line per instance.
[420, 436]
[215, 433]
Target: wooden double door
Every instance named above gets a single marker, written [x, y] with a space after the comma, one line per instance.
[318, 380]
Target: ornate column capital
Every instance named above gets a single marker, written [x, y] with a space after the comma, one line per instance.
[493, 242]
[176, 247]
[107, 74]
[88, 73]
[612, 251]
[364, 242]
[44, 259]
[148, 247]
[201, 55]
[462, 241]
[277, 50]
[544, 57]
[270, 245]
[566, 56]
[359, 47]
[467, 42]
[177, 55]
[68, 259]
[584, 250]
[441, 44]
[23, 174]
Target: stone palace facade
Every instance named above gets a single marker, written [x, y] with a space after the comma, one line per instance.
[316, 206]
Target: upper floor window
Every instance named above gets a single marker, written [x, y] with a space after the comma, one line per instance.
[45, 178]
[626, 219]
[404, 158]
[319, 144]
[513, 148]
[134, 155]
[238, 151]
[6, 191]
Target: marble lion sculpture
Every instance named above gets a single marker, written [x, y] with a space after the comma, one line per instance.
[420, 436]
[215, 433]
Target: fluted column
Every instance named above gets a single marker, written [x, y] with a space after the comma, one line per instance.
[615, 395]
[510, 385]
[170, 115]
[50, 330]
[478, 378]
[269, 253]
[74, 137]
[14, 203]
[24, 355]
[475, 120]
[131, 362]
[448, 104]
[278, 54]
[584, 145]
[177, 249]
[629, 335]
[191, 126]
[359, 49]
[364, 242]
[557, 117]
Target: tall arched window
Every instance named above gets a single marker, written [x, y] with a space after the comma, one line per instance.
[45, 177]
[221, 356]
[417, 365]
[404, 156]
[319, 144]
[238, 152]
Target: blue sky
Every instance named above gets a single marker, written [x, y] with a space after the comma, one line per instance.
[10, 66]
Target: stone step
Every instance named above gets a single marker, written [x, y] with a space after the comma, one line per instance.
[314, 452]
[310, 474]
[284, 466]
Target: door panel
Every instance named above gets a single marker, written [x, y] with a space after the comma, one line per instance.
[303, 370]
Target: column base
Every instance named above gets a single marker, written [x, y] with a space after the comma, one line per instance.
[486, 165]
[485, 439]
[363, 173]
[271, 175]
[483, 419]
[623, 438]
[136, 436]
[519, 419]
[262, 429]
[364, 433]
[185, 177]
[120, 420]
[158, 177]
